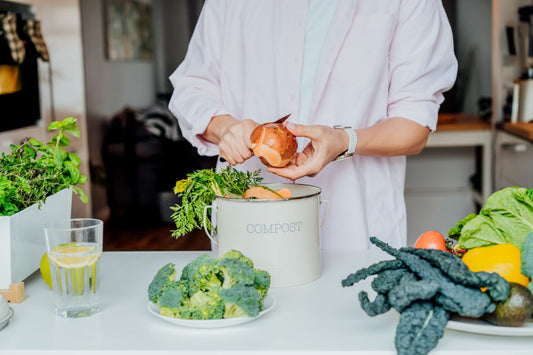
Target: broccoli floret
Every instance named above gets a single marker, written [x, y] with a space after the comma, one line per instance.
[261, 281]
[211, 288]
[241, 301]
[171, 301]
[161, 280]
[201, 274]
[205, 305]
[238, 255]
[234, 271]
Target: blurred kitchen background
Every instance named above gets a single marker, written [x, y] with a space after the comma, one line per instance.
[108, 64]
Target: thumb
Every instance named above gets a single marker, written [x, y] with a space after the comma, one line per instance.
[299, 130]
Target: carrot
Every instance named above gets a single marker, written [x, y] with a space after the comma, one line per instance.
[261, 192]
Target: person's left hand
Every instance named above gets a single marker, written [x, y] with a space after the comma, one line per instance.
[325, 145]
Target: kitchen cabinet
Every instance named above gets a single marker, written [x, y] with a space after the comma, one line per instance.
[320, 317]
[514, 161]
[438, 187]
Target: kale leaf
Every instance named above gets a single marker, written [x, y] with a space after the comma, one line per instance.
[420, 327]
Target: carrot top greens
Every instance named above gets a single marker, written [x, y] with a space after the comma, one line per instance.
[199, 190]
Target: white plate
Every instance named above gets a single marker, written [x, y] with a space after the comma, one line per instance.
[4, 322]
[268, 303]
[479, 326]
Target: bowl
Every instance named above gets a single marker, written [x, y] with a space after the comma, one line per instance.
[5, 321]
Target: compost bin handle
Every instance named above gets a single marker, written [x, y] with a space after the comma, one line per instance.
[213, 239]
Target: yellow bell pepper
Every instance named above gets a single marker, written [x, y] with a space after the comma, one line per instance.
[503, 259]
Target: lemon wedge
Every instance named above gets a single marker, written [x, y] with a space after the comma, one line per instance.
[74, 256]
[45, 270]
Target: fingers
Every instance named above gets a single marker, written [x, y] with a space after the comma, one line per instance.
[301, 165]
[234, 145]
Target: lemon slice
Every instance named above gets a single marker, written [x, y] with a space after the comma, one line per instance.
[74, 256]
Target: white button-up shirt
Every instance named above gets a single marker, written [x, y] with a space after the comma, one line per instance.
[380, 59]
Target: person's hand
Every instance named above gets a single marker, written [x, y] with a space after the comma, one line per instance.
[325, 145]
[232, 137]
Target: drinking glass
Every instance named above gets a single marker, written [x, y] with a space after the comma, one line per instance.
[74, 248]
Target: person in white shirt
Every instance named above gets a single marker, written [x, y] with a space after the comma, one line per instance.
[377, 67]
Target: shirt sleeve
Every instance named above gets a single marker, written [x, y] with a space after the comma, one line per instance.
[197, 96]
[422, 62]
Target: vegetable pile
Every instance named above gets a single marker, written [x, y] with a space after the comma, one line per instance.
[34, 170]
[201, 187]
[211, 288]
[425, 286]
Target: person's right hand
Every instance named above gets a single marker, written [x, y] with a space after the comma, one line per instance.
[232, 137]
[325, 145]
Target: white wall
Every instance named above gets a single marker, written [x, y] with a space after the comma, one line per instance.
[174, 39]
[473, 45]
[110, 86]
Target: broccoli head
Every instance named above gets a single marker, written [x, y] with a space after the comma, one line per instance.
[201, 274]
[171, 302]
[205, 305]
[161, 280]
[241, 301]
[238, 255]
[261, 281]
[209, 288]
[234, 271]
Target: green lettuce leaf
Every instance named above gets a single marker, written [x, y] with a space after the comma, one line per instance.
[479, 232]
[506, 217]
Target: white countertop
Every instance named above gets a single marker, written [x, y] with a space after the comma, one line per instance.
[320, 317]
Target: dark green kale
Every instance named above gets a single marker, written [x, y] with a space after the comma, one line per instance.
[408, 292]
[458, 272]
[388, 279]
[379, 306]
[371, 270]
[526, 253]
[469, 302]
[425, 286]
[420, 327]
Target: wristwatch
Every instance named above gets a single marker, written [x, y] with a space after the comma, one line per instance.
[353, 142]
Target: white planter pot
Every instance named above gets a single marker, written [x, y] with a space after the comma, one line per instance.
[22, 241]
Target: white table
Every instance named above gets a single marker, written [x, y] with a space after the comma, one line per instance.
[320, 317]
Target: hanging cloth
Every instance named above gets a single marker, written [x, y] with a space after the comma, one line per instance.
[8, 32]
[10, 79]
[33, 30]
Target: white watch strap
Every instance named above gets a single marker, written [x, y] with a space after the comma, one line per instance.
[352, 144]
[353, 140]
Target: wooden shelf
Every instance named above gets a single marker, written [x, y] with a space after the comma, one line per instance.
[521, 129]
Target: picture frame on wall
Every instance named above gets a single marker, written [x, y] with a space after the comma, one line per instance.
[129, 30]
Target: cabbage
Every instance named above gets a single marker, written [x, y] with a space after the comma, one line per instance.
[506, 217]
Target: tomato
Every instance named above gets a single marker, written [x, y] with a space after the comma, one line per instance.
[431, 240]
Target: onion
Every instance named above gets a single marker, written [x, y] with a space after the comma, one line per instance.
[273, 144]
